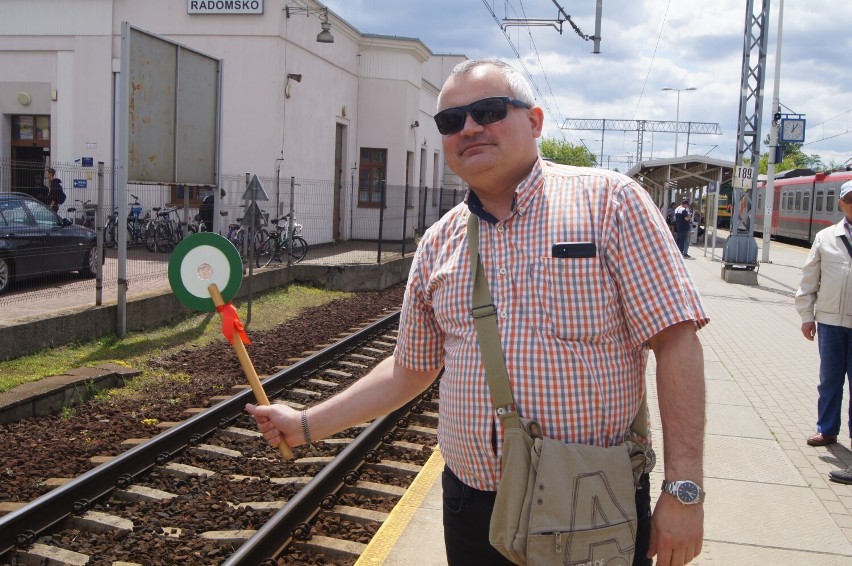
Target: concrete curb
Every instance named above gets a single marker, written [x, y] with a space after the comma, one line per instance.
[51, 394]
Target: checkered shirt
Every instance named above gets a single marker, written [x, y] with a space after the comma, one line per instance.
[574, 331]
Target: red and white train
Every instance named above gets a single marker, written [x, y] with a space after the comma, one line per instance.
[805, 203]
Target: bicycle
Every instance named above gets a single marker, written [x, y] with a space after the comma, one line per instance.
[135, 225]
[237, 233]
[87, 217]
[169, 231]
[278, 247]
[197, 225]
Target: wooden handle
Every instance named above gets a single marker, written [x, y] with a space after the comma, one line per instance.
[248, 368]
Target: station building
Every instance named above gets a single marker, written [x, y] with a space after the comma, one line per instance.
[304, 95]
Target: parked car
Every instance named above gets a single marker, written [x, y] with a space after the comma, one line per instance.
[35, 241]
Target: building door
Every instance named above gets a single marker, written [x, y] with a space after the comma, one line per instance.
[339, 136]
[30, 152]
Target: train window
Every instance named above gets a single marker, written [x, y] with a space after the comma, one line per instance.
[760, 201]
[806, 202]
[790, 200]
[798, 201]
[818, 201]
[829, 201]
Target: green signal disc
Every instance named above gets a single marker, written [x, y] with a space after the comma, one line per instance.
[200, 260]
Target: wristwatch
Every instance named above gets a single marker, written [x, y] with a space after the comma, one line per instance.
[686, 491]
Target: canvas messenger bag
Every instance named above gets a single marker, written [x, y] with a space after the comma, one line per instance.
[557, 503]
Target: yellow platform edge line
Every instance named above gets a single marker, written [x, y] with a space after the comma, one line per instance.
[386, 537]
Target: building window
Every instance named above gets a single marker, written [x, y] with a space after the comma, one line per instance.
[27, 129]
[196, 195]
[372, 174]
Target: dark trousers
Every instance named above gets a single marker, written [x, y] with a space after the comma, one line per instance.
[835, 361]
[467, 515]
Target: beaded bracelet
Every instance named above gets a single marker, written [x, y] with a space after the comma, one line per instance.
[305, 430]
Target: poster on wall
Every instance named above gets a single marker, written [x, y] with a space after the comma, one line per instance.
[25, 128]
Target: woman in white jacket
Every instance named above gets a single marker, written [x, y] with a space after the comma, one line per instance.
[825, 297]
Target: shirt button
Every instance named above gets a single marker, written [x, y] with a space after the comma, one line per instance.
[503, 314]
[522, 209]
[500, 228]
[502, 271]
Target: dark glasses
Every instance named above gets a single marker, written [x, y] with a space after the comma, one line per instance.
[483, 111]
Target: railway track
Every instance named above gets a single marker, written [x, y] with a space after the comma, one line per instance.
[209, 490]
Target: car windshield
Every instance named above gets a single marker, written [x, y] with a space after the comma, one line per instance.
[44, 217]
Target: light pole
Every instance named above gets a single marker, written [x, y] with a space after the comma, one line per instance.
[677, 115]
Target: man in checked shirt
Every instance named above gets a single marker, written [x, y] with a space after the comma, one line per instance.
[575, 331]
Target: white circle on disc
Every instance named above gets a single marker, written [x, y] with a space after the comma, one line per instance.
[195, 259]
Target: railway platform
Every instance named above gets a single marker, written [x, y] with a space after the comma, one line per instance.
[769, 499]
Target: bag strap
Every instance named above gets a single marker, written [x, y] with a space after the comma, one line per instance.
[847, 244]
[485, 320]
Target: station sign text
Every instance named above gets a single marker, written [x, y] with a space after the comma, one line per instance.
[224, 6]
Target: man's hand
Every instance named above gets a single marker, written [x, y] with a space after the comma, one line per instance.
[809, 330]
[677, 531]
[277, 422]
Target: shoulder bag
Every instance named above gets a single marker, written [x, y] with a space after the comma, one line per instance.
[557, 503]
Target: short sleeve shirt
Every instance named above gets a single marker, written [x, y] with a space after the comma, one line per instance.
[574, 331]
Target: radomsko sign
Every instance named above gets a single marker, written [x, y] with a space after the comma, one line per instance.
[224, 6]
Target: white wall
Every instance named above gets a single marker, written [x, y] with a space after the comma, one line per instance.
[377, 86]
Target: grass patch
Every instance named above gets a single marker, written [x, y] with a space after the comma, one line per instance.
[196, 329]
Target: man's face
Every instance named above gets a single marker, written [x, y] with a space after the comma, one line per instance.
[845, 205]
[503, 150]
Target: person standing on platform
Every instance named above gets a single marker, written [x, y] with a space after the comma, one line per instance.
[824, 302]
[683, 223]
[576, 332]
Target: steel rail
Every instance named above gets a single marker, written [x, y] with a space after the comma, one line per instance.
[278, 531]
[22, 526]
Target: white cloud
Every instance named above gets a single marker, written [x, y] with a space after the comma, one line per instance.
[647, 45]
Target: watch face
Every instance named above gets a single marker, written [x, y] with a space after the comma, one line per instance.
[687, 492]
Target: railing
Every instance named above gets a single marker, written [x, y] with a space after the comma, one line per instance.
[370, 232]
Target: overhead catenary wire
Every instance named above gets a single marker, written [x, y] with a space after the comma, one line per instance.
[555, 115]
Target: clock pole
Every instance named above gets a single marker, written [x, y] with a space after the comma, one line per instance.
[773, 143]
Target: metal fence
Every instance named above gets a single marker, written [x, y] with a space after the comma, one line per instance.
[335, 224]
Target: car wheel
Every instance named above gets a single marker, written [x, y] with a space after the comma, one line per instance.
[5, 274]
[90, 263]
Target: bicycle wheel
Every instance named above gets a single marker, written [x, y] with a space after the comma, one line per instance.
[299, 249]
[165, 239]
[110, 239]
[150, 232]
[271, 251]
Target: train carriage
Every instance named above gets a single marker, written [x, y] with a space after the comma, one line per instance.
[805, 202]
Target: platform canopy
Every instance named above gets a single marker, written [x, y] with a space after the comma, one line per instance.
[687, 172]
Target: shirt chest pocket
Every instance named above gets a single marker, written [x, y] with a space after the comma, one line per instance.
[573, 297]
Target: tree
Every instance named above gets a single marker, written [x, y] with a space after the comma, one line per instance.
[560, 151]
[792, 157]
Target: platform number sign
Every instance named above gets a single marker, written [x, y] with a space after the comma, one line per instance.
[743, 176]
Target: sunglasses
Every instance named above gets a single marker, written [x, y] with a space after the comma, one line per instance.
[484, 111]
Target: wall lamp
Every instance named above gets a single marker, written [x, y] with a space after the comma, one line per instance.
[322, 13]
[287, 89]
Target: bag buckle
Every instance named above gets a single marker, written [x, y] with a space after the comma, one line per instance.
[483, 310]
[506, 410]
[650, 459]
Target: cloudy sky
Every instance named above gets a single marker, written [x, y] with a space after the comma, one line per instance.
[647, 45]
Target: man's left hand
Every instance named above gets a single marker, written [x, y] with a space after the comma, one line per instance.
[677, 531]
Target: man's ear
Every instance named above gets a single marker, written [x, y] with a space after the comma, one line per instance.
[536, 115]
